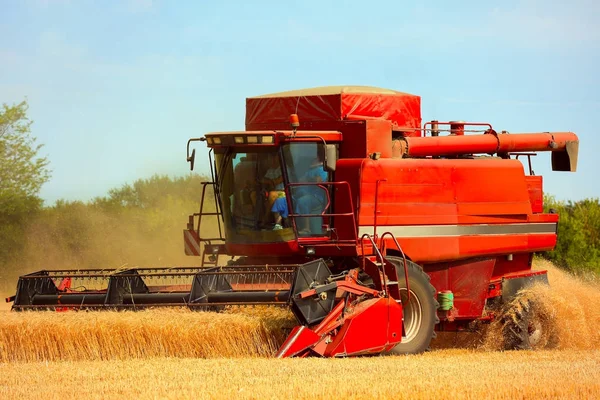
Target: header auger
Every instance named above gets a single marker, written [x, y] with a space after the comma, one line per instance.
[377, 231]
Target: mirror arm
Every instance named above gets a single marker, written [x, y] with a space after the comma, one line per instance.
[330, 157]
[192, 157]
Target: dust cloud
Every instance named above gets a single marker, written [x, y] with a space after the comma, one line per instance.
[83, 236]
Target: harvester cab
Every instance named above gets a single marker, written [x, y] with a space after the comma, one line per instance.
[339, 204]
[261, 179]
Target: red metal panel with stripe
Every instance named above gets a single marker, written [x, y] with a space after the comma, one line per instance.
[451, 209]
[427, 190]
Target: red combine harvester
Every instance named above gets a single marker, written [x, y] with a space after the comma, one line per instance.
[375, 230]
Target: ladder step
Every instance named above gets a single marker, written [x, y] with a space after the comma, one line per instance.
[392, 283]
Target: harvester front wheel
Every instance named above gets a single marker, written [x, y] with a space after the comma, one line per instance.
[420, 311]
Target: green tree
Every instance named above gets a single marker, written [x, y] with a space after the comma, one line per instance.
[22, 174]
[578, 247]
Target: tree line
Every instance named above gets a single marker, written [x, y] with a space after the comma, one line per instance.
[578, 247]
[138, 224]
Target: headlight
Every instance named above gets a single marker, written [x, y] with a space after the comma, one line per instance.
[252, 139]
[209, 140]
[239, 139]
[217, 140]
[267, 139]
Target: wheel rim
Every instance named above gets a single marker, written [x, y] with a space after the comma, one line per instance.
[413, 315]
[534, 330]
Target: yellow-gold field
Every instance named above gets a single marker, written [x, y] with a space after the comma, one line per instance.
[443, 374]
[184, 354]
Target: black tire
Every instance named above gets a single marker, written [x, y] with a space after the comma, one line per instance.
[420, 313]
[526, 326]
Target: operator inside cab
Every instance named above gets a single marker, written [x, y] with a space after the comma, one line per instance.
[276, 200]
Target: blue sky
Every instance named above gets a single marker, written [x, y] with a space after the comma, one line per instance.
[117, 87]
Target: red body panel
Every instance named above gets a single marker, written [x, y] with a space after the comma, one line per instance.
[418, 191]
[282, 249]
[536, 192]
[457, 218]
[505, 267]
[444, 210]
[467, 280]
[375, 325]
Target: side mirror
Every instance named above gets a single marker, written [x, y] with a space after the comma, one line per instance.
[330, 157]
[191, 159]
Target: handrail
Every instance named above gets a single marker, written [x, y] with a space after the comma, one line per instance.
[463, 123]
[404, 259]
[323, 185]
[424, 129]
[200, 214]
[216, 189]
[217, 214]
[379, 255]
[528, 159]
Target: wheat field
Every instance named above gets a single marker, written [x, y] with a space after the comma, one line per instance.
[184, 354]
[113, 335]
[443, 374]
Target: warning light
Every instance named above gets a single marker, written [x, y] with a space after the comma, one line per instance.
[294, 121]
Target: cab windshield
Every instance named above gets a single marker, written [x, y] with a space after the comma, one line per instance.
[250, 183]
[255, 196]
